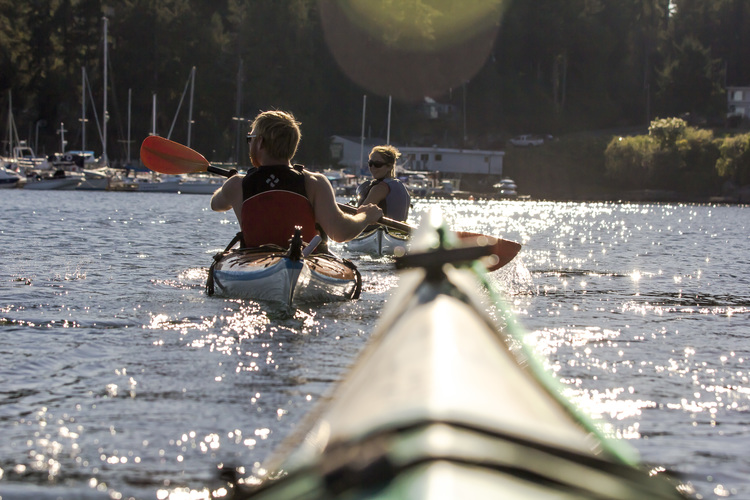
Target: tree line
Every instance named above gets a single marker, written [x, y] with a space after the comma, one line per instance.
[500, 68]
[675, 156]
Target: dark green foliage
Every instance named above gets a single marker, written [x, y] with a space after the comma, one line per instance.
[734, 163]
[666, 131]
[677, 157]
[691, 81]
[571, 167]
[700, 153]
[629, 161]
[556, 66]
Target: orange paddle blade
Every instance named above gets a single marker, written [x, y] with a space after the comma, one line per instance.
[503, 250]
[169, 157]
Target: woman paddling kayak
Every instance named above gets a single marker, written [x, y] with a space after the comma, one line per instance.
[384, 189]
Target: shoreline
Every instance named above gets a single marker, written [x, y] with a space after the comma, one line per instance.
[647, 195]
[640, 196]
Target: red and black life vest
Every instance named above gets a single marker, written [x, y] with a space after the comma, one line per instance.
[275, 201]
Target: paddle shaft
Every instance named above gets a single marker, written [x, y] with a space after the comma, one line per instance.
[169, 157]
[226, 172]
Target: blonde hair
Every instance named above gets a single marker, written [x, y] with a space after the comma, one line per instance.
[280, 132]
[388, 152]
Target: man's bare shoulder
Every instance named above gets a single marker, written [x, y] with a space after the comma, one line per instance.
[315, 180]
[229, 194]
[317, 176]
[235, 179]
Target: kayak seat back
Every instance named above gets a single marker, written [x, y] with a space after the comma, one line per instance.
[271, 216]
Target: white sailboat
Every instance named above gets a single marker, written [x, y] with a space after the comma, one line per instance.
[21, 157]
[158, 184]
[9, 178]
[58, 181]
[200, 184]
[155, 183]
[96, 173]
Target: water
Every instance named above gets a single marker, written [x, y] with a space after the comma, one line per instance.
[120, 378]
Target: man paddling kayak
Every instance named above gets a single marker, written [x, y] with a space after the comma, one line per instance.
[270, 201]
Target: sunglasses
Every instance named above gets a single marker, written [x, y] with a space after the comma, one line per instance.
[377, 164]
[250, 137]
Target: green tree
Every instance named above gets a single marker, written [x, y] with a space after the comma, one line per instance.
[734, 163]
[691, 81]
[672, 156]
[721, 26]
[629, 161]
[700, 152]
[666, 131]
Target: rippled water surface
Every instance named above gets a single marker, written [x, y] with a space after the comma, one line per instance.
[120, 378]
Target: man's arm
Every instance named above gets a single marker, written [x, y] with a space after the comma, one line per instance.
[337, 225]
[229, 195]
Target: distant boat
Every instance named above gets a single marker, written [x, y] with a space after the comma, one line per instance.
[66, 161]
[82, 164]
[343, 183]
[506, 188]
[39, 172]
[199, 184]
[24, 159]
[60, 180]
[9, 178]
[96, 179]
[158, 184]
[21, 157]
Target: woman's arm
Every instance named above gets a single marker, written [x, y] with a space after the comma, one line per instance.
[377, 194]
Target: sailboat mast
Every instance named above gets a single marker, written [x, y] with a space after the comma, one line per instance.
[388, 134]
[153, 115]
[237, 117]
[63, 142]
[13, 137]
[362, 139]
[190, 109]
[130, 100]
[10, 124]
[104, 119]
[83, 108]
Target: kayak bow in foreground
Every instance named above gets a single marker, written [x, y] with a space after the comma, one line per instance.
[439, 405]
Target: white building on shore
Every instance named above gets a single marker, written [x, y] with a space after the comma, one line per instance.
[351, 153]
[738, 102]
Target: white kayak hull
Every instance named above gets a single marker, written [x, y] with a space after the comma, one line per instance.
[270, 275]
[379, 241]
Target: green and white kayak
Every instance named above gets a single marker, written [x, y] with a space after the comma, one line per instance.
[443, 404]
[378, 241]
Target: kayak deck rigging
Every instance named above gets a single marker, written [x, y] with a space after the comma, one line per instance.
[287, 276]
[439, 406]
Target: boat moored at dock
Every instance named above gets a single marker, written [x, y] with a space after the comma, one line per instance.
[9, 178]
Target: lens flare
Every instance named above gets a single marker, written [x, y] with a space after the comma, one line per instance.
[412, 48]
